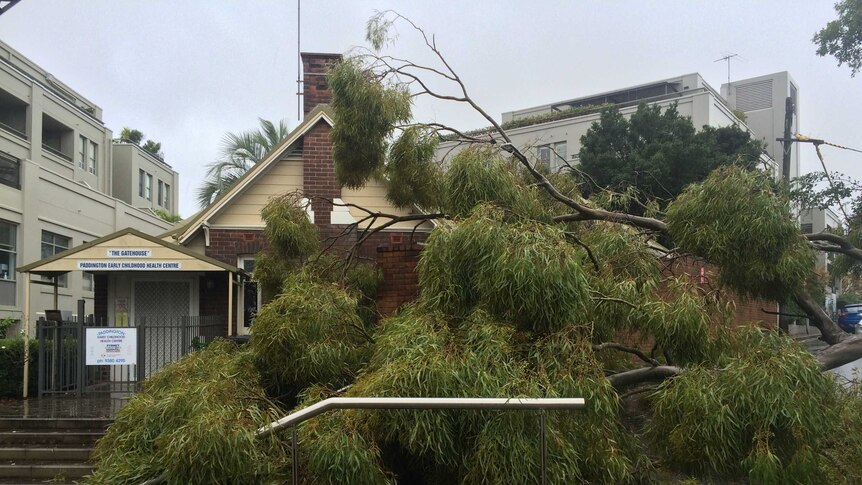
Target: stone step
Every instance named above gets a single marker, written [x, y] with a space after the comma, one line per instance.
[54, 423]
[19, 455]
[39, 438]
[50, 470]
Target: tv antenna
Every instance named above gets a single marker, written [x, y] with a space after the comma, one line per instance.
[727, 59]
[299, 86]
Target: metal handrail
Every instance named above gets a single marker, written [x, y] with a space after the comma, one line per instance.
[305, 414]
[294, 419]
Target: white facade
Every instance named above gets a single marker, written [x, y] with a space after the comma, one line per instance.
[762, 99]
[56, 182]
[144, 181]
[694, 98]
[813, 221]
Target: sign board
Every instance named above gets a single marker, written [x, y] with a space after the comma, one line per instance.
[130, 265]
[129, 253]
[112, 346]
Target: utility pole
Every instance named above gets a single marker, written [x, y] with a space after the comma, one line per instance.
[789, 108]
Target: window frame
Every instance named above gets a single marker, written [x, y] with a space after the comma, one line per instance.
[82, 152]
[62, 280]
[141, 175]
[12, 250]
[161, 193]
[93, 158]
[242, 325]
[554, 151]
[148, 187]
[167, 201]
[6, 158]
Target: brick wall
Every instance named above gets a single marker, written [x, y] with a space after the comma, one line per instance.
[400, 280]
[318, 172]
[747, 310]
[227, 244]
[315, 87]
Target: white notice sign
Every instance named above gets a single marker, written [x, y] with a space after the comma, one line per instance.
[130, 265]
[112, 346]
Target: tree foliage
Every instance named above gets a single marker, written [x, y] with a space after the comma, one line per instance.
[842, 37]
[659, 152]
[194, 422]
[527, 289]
[129, 135]
[238, 153]
[367, 111]
[735, 209]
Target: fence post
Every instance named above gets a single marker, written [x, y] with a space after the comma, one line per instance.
[42, 359]
[81, 367]
[142, 354]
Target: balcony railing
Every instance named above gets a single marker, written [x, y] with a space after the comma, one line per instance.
[7, 128]
[55, 152]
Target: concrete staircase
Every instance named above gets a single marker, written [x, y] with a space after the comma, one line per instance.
[47, 450]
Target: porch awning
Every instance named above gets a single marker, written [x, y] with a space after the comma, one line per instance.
[127, 250]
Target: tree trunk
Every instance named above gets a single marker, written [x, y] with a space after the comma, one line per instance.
[830, 332]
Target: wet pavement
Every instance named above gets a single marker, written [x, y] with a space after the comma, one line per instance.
[97, 406]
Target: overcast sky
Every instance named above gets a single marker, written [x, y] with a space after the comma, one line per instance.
[186, 71]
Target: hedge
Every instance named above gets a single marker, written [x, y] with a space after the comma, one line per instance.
[12, 367]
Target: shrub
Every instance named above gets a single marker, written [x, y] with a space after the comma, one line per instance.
[12, 366]
[194, 422]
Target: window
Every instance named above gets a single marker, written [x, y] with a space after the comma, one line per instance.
[10, 171]
[82, 153]
[161, 198]
[807, 228]
[148, 187]
[251, 297]
[88, 155]
[88, 281]
[8, 250]
[552, 155]
[51, 245]
[141, 176]
[167, 201]
[8, 258]
[94, 157]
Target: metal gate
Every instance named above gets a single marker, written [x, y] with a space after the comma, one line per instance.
[160, 341]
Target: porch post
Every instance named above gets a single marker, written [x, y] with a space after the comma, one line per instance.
[56, 297]
[25, 317]
[229, 303]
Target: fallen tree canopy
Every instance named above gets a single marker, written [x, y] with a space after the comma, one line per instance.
[528, 289]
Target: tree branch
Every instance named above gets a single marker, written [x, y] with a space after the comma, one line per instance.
[644, 374]
[631, 350]
[841, 244]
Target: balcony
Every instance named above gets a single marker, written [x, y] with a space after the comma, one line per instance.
[13, 115]
[57, 138]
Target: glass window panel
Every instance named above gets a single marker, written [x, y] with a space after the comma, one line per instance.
[88, 281]
[82, 153]
[93, 157]
[9, 171]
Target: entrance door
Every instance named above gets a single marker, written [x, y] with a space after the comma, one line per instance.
[163, 309]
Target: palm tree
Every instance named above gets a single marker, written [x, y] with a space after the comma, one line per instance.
[239, 152]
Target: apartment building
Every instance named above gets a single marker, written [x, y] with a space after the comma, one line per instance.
[57, 182]
[154, 184]
[552, 132]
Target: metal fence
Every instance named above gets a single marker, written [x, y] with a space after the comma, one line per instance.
[160, 341]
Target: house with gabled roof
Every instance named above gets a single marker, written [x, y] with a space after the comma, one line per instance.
[231, 229]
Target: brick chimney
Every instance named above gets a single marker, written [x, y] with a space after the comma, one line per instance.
[315, 88]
